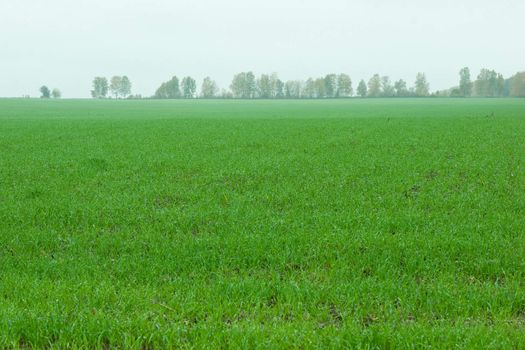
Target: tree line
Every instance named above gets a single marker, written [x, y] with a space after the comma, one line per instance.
[488, 83]
[246, 85]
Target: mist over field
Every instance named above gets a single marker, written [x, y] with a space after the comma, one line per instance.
[65, 44]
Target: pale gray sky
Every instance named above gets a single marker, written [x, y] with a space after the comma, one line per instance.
[65, 43]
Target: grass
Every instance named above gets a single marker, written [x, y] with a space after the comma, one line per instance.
[262, 224]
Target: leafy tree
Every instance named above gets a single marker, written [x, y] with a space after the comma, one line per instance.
[115, 85]
[45, 92]
[421, 85]
[209, 88]
[243, 85]
[100, 87]
[169, 89]
[344, 86]
[374, 86]
[250, 85]
[189, 87]
[465, 84]
[401, 88]
[517, 86]
[264, 86]
[293, 89]
[330, 85]
[489, 84]
[362, 89]
[386, 87]
[309, 88]
[56, 93]
[277, 86]
[237, 85]
[320, 88]
[125, 86]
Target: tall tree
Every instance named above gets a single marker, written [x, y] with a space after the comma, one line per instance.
[309, 88]
[401, 88]
[277, 86]
[115, 85]
[250, 85]
[421, 85]
[189, 87]
[320, 88]
[264, 86]
[237, 85]
[243, 85]
[517, 85]
[344, 86]
[100, 87]
[125, 86]
[374, 86]
[56, 93]
[209, 88]
[293, 89]
[169, 89]
[387, 89]
[362, 89]
[489, 84]
[465, 84]
[330, 85]
[45, 92]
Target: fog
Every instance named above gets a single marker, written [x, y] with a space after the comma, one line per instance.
[65, 43]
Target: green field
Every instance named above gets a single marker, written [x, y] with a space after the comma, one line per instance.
[262, 224]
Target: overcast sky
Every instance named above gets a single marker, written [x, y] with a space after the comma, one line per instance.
[65, 43]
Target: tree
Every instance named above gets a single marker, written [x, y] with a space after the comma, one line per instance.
[465, 84]
[264, 86]
[46, 93]
[401, 88]
[250, 85]
[125, 86]
[489, 84]
[277, 86]
[237, 84]
[293, 89]
[209, 88]
[189, 87]
[374, 86]
[243, 85]
[320, 88]
[169, 89]
[330, 85]
[100, 87]
[421, 85]
[344, 86]
[309, 88]
[56, 93]
[361, 89]
[115, 85]
[517, 86]
[386, 87]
